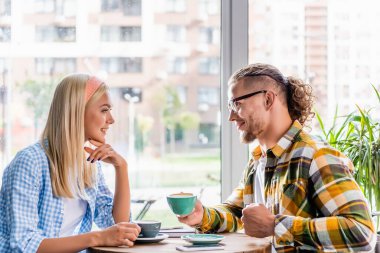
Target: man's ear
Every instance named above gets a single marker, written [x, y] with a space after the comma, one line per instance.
[269, 100]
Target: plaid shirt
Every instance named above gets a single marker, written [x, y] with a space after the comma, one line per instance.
[29, 212]
[310, 188]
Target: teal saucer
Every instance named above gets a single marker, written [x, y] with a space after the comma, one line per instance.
[202, 238]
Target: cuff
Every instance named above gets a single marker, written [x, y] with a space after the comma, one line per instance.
[282, 231]
[205, 225]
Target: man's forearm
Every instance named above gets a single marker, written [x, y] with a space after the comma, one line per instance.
[327, 233]
[221, 218]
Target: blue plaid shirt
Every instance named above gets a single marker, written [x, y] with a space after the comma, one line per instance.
[30, 213]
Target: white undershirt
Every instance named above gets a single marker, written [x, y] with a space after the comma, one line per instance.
[258, 196]
[73, 213]
[258, 193]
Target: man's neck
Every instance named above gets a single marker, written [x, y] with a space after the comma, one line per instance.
[274, 133]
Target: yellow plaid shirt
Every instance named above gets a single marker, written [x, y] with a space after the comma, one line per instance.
[310, 188]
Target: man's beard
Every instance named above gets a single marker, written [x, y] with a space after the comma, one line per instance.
[253, 129]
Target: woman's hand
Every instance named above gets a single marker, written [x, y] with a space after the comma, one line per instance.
[120, 234]
[105, 153]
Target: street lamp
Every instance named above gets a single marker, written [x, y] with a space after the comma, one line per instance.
[131, 114]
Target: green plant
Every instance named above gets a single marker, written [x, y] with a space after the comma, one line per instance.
[357, 135]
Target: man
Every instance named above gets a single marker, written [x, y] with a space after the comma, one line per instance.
[296, 189]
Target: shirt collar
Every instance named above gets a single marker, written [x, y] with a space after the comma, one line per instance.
[283, 144]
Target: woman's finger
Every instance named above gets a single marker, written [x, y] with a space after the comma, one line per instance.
[88, 150]
[101, 150]
[127, 242]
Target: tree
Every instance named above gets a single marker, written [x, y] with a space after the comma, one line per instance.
[166, 99]
[38, 98]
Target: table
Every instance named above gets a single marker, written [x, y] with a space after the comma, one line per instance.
[234, 242]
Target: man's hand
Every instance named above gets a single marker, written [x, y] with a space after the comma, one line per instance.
[195, 218]
[258, 221]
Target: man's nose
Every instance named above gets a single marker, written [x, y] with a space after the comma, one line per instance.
[232, 116]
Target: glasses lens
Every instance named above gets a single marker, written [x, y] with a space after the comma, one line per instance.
[231, 106]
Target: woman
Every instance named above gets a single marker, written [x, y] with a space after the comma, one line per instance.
[51, 194]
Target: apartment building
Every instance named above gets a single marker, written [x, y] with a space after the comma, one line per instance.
[137, 47]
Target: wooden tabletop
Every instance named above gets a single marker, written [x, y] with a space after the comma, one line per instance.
[233, 242]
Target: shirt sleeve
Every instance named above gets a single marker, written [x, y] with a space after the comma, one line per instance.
[104, 203]
[226, 217]
[347, 222]
[22, 184]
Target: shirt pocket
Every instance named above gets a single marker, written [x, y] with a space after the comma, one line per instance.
[293, 198]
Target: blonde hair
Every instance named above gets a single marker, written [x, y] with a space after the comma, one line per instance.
[63, 138]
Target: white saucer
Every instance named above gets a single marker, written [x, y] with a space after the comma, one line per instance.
[158, 238]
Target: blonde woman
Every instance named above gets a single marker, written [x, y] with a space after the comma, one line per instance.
[54, 190]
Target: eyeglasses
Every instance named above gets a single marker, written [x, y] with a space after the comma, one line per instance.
[233, 106]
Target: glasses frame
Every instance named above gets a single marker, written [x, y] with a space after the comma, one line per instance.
[232, 103]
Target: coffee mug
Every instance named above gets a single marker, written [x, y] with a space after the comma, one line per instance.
[181, 203]
[149, 228]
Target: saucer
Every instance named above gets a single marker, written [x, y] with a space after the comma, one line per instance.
[203, 238]
[158, 238]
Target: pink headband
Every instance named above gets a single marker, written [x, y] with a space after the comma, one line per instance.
[92, 85]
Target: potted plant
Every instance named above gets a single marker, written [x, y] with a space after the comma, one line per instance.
[357, 135]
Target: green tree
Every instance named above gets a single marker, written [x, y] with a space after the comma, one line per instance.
[38, 97]
[170, 108]
[144, 126]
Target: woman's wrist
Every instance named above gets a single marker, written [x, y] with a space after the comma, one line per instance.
[96, 239]
[121, 166]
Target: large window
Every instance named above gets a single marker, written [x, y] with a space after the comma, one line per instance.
[332, 45]
[167, 113]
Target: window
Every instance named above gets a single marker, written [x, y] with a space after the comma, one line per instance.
[182, 94]
[5, 34]
[156, 128]
[44, 6]
[4, 65]
[123, 33]
[208, 95]
[209, 35]
[51, 66]
[175, 5]
[209, 66]
[324, 49]
[177, 65]
[132, 7]
[55, 34]
[5, 7]
[128, 7]
[110, 5]
[121, 65]
[176, 33]
[208, 134]
[209, 7]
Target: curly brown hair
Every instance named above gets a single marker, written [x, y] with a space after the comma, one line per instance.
[299, 95]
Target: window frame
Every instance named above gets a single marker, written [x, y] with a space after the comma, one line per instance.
[234, 55]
